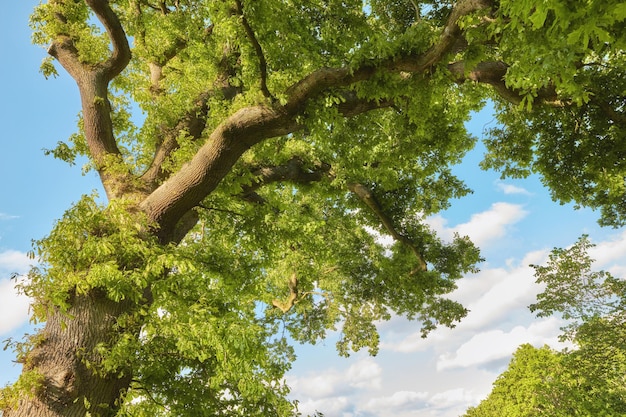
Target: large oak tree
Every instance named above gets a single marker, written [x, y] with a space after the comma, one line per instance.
[252, 154]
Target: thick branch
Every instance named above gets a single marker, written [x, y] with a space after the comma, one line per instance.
[186, 188]
[121, 50]
[257, 48]
[199, 177]
[293, 170]
[92, 81]
[367, 196]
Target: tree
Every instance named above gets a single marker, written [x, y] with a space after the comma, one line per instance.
[587, 381]
[250, 163]
[526, 388]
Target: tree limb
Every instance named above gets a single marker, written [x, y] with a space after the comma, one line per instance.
[120, 56]
[493, 74]
[367, 196]
[324, 78]
[248, 126]
[293, 295]
[201, 175]
[293, 170]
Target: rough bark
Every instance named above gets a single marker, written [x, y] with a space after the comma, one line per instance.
[65, 356]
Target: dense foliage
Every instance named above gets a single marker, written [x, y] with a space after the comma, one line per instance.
[254, 152]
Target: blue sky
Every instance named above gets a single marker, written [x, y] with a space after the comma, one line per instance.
[514, 222]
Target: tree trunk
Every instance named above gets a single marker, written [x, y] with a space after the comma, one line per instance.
[64, 354]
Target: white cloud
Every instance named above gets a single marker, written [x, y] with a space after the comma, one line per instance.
[13, 261]
[493, 297]
[511, 189]
[13, 306]
[493, 345]
[365, 374]
[609, 251]
[484, 227]
[4, 216]
[451, 398]
[334, 406]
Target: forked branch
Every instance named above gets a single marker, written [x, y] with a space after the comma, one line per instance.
[120, 57]
[257, 48]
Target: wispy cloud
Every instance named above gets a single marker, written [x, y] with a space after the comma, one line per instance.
[511, 189]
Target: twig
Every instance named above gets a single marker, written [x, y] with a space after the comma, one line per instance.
[257, 49]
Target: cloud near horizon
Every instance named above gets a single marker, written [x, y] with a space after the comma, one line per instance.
[493, 345]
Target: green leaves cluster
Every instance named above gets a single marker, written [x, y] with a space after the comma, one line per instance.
[576, 62]
[94, 247]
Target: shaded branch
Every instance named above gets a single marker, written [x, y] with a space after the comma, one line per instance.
[493, 73]
[293, 170]
[367, 196]
[257, 48]
[615, 115]
[193, 123]
[285, 306]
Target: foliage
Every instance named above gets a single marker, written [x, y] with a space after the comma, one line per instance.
[578, 150]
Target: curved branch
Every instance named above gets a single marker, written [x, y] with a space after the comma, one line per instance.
[367, 196]
[120, 57]
[257, 49]
[248, 126]
[285, 306]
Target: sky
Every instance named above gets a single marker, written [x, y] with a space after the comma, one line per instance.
[515, 224]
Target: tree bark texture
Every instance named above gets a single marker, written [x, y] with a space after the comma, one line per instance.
[65, 355]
